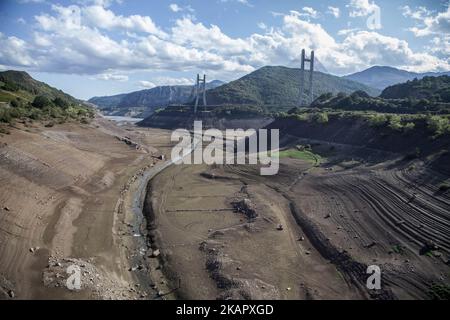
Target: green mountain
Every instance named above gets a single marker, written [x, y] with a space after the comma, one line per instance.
[21, 96]
[19, 84]
[428, 95]
[381, 77]
[279, 87]
[436, 89]
[144, 102]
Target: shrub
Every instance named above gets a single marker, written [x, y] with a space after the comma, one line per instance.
[41, 102]
[377, 120]
[60, 103]
[409, 126]
[444, 187]
[302, 117]
[320, 117]
[395, 123]
[438, 125]
[5, 115]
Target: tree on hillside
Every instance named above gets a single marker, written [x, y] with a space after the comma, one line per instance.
[41, 102]
[60, 103]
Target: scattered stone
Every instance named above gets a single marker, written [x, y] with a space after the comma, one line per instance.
[6, 209]
[288, 289]
[430, 246]
[328, 216]
[156, 253]
[238, 268]
[280, 227]
[301, 238]
[370, 245]
[32, 250]
[307, 252]
[437, 254]
[11, 294]
[247, 207]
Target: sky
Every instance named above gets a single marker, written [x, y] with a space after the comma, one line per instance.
[103, 47]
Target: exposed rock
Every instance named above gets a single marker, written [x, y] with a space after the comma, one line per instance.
[156, 253]
[247, 207]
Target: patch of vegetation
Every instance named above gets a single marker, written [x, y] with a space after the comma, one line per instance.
[399, 249]
[438, 125]
[439, 292]
[306, 155]
[425, 90]
[24, 97]
[444, 187]
[428, 95]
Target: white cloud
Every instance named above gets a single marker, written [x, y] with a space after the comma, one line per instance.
[335, 11]
[306, 12]
[113, 77]
[345, 32]
[146, 84]
[362, 8]
[15, 52]
[31, 1]
[310, 12]
[174, 7]
[262, 25]
[212, 39]
[106, 19]
[169, 81]
[429, 24]
[69, 40]
[166, 81]
[244, 2]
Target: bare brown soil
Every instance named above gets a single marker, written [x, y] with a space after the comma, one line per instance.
[67, 197]
[316, 229]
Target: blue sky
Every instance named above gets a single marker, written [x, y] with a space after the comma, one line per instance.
[102, 47]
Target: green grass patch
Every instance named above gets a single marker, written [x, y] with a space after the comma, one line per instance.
[302, 155]
[398, 249]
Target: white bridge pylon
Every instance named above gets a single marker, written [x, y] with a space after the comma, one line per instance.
[200, 89]
[302, 77]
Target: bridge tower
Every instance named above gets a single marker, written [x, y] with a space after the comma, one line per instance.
[200, 89]
[302, 77]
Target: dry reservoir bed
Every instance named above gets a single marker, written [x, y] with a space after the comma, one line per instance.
[307, 233]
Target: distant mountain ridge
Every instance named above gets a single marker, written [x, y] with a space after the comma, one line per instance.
[381, 77]
[277, 85]
[144, 102]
